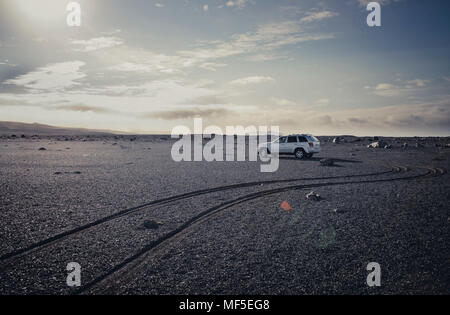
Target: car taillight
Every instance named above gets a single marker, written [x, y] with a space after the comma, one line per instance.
[311, 145]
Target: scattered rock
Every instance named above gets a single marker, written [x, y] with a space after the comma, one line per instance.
[377, 145]
[313, 196]
[419, 145]
[151, 224]
[327, 162]
[42, 149]
[58, 173]
[404, 145]
[336, 140]
[388, 146]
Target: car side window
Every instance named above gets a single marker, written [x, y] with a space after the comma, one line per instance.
[302, 139]
[292, 139]
[281, 140]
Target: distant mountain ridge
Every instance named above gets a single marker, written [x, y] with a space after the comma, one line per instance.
[19, 128]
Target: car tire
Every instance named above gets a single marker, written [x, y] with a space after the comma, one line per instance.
[299, 153]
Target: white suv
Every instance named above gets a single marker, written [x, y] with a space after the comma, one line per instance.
[299, 145]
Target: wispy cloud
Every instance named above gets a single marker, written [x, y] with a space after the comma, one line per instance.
[401, 88]
[81, 108]
[237, 3]
[54, 76]
[189, 114]
[266, 38]
[318, 16]
[97, 43]
[252, 80]
[364, 3]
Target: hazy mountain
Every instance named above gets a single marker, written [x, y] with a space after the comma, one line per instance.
[18, 128]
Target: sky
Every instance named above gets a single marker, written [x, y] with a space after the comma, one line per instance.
[144, 66]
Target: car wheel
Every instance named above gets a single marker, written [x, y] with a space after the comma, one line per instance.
[299, 154]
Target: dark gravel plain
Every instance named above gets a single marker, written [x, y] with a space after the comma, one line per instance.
[254, 247]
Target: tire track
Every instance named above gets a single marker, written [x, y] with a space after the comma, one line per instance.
[6, 258]
[122, 270]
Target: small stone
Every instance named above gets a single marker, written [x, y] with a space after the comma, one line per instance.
[42, 149]
[377, 145]
[151, 224]
[313, 196]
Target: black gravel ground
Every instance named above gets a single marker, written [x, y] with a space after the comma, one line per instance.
[254, 247]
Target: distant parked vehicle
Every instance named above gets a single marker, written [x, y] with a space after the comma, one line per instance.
[301, 146]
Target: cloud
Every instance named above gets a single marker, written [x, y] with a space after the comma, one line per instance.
[262, 41]
[237, 3]
[364, 3]
[402, 88]
[189, 114]
[283, 101]
[212, 66]
[318, 16]
[7, 63]
[252, 80]
[82, 108]
[418, 82]
[159, 5]
[55, 76]
[97, 43]
[206, 100]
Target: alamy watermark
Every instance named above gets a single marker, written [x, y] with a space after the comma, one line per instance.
[374, 277]
[74, 276]
[191, 148]
[374, 17]
[74, 15]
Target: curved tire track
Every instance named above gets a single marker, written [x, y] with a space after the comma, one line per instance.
[59, 237]
[135, 260]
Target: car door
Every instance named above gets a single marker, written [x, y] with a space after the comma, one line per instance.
[281, 144]
[303, 142]
[291, 144]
